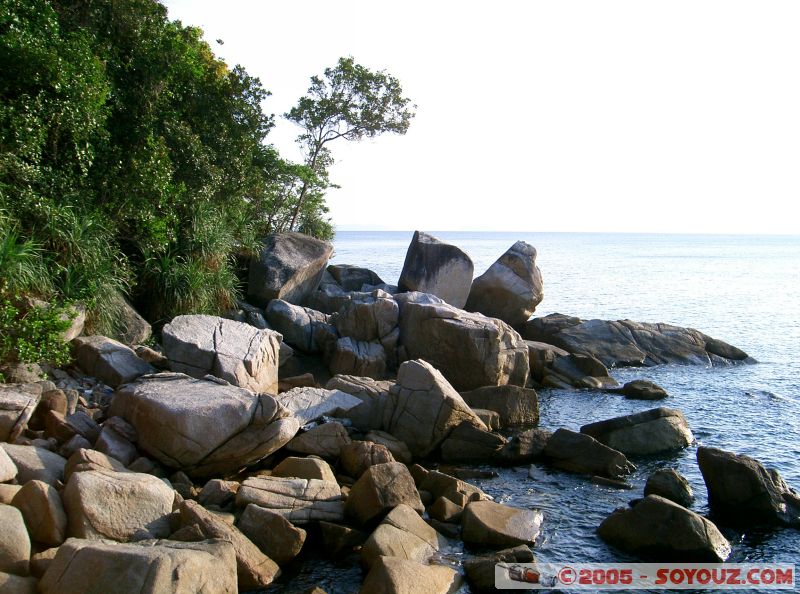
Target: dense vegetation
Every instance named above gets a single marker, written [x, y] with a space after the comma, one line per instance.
[135, 164]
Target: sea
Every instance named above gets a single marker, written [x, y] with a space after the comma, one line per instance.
[743, 289]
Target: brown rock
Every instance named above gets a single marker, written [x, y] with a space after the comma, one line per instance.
[380, 489]
[493, 524]
[43, 512]
[277, 538]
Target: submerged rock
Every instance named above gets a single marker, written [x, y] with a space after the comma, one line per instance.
[581, 453]
[669, 484]
[642, 390]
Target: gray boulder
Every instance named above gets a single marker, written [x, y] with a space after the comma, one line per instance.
[15, 545]
[581, 453]
[309, 404]
[373, 394]
[35, 463]
[380, 489]
[402, 534]
[511, 288]
[488, 523]
[650, 432]
[435, 267]
[352, 278]
[515, 405]
[240, 354]
[277, 538]
[669, 484]
[326, 441]
[525, 447]
[359, 358]
[578, 371]
[297, 324]
[370, 318]
[108, 360]
[298, 500]
[642, 390]
[470, 445]
[393, 575]
[541, 357]
[17, 404]
[289, 267]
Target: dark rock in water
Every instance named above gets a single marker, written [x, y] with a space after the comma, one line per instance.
[467, 443]
[657, 528]
[290, 267]
[669, 484]
[607, 482]
[352, 278]
[435, 267]
[515, 405]
[649, 432]
[443, 485]
[741, 491]
[578, 371]
[340, 540]
[481, 572]
[642, 390]
[581, 453]
[492, 524]
[627, 343]
[524, 447]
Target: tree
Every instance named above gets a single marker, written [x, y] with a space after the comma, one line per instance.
[351, 102]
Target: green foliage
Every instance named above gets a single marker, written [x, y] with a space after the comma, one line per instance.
[33, 335]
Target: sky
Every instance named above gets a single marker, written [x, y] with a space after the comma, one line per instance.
[568, 115]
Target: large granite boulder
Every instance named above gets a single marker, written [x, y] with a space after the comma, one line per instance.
[524, 447]
[488, 523]
[289, 267]
[374, 395]
[468, 444]
[515, 405]
[43, 511]
[277, 538]
[439, 484]
[108, 360]
[541, 357]
[669, 484]
[372, 317]
[8, 470]
[626, 343]
[581, 453]
[439, 268]
[206, 428]
[309, 404]
[35, 463]
[325, 440]
[239, 353]
[393, 575]
[380, 489]
[356, 457]
[15, 544]
[742, 492]
[89, 566]
[17, 404]
[403, 534]
[650, 432]
[578, 371]
[298, 325]
[298, 500]
[359, 358]
[425, 408]
[353, 278]
[658, 528]
[511, 288]
[469, 349]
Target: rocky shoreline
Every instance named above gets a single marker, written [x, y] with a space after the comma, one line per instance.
[316, 416]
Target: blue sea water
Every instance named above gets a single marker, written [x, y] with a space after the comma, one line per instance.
[742, 289]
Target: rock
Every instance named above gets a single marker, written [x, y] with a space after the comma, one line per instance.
[581, 453]
[88, 459]
[8, 492]
[657, 528]
[515, 405]
[22, 373]
[352, 278]
[41, 507]
[108, 360]
[8, 470]
[742, 492]
[277, 538]
[403, 534]
[669, 484]
[41, 561]
[15, 584]
[254, 569]
[425, 408]
[643, 390]
[17, 404]
[356, 457]
[290, 267]
[115, 445]
[435, 267]
[439, 484]
[330, 298]
[75, 443]
[35, 463]
[204, 427]
[82, 424]
[524, 448]
[374, 396]
[309, 404]
[297, 324]
[238, 353]
[578, 371]
[392, 575]
[369, 318]
[117, 505]
[511, 288]
[129, 326]
[325, 440]
[152, 356]
[353, 357]
[338, 540]
[650, 432]
[492, 524]
[380, 489]
[306, 468]
[83, 566]
[469, 349]
[298, 500]
[445, 510]
[489, 418]
[480, 571]
[626, 343]
[218, 492]
[396, 447]
[469, 444]
[541, 357]
[15, 545]
[305, 380]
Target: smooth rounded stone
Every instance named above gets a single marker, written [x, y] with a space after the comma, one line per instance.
[35, 463]
[110, 361]
[92, 566]
[511, 288]
[115, 445]
[16, 584]
[15, 544]
[8, 470]
[669, 484]
[354, 357]
[207, 428]
[374, 396]
[396, 447]
[369, 318]
[650, 432]
[253, 568]
[524, 448]
[309, 404]
[380, 489]
[515, 405]
[445, 510]
[277, 538]
[469, 349]
[392, 575]
[326, 440]
[117, 505]
[17, 405]
[741, 491]
[403, 534]
[356, 457]
[298, 500]
[439, 268]
[643, 390]
[581, 453]
[352, 278]
[469, 444]
[289, 267]
[218, 492]
[338, 540]
[439, 484]
[297, 324]
[492, 524]
[657, 528]
[305, 468]
[239, 353]
[8, 492]
[41, 507]
[489, 418]
[426, 408]
[541, 357]
[86, 459]
[480, 571]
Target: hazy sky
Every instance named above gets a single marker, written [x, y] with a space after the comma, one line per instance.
[679, 116]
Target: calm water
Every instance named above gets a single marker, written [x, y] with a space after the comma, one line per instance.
[742, 289]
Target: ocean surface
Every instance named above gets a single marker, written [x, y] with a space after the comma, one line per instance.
[741, 289]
